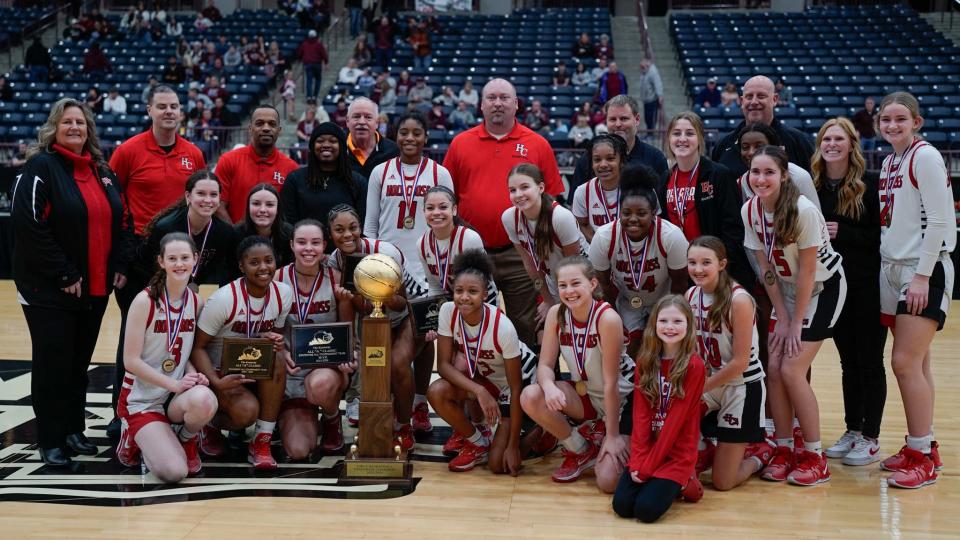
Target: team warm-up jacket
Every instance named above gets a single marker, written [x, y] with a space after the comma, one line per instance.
[218, 257]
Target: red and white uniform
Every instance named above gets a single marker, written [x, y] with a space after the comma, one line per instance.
[437, 256]
[138, 396]
[229, 308]
[366, 246]
[319, 306]
[391, 199]
[520, 230]
[593, 358]
[499, 341]
[595, 204]
[716, 348]
[667, 250]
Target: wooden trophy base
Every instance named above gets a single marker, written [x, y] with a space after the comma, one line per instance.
[365, 470]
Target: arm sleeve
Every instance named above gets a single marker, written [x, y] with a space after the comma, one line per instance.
[507, 220]
[225, 171]
[676, 245]
[119, 165]
[804, 183]
[444, 178]
[601, 246]
[812, 227]
[450, 162]
[936, 199]
[640, 435]
[579, 206]
[371, 222]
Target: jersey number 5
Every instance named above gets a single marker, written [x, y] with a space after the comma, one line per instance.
[783, 267]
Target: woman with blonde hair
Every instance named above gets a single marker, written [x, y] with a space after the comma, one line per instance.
[72, 243]
[847, 192]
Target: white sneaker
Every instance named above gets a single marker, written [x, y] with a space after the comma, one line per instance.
[353, 412]
[843, 446]
[865, 452]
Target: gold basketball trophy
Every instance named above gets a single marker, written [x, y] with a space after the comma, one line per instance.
[374, 454]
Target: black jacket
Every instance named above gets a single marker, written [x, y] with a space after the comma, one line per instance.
[218, 262]
[798, 145]
[49, 219]
[717, 199]
[300, 201]
[858, 241]
[642, 154]
[384, 150]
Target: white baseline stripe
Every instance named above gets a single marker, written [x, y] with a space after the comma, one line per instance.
[187, 491]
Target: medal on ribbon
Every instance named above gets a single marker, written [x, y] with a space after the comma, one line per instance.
[473, 356]
[410, 200]
[580, 347]
[658, 420]
[249, 308]
[206, 234]
[611, 215]
[443, 263]
[303, 309]
[173, 329]
[767, 234]
[636, 277]
[531, 250]
[886, 213]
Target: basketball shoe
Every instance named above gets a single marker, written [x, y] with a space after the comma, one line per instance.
[705, 456]
[574, 464]
[811, 469]
[693, 491]
[917, 470]
[470, 455]
[259, 454]
[780, 464]
[353, 412]
[211, 441]
[454, 444]
[761, 452]
[193, 455]
[865, 451]
[421, 418]
[128, 453]
[404, 437]
[844, 445]
[897, 461]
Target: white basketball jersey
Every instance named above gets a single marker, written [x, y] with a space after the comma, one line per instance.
[520, 230]
[137, 395]
[231, 312]
[391, 200]
[367, 246]
[716, 348]
[462, 239]
[593, 354]
[595, 204]
[786, 259]
[915, 195]
[323, 305]
[499, 341]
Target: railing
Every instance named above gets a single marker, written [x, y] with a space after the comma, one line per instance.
[34, 29]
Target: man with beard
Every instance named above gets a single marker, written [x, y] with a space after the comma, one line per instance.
[367, 148]
[260, 161]
[757, 103]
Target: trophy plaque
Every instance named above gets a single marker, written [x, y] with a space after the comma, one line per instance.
[426, 313]
[321, 345]
[250, 357]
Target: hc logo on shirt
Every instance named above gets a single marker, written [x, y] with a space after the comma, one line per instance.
[522, 150]
[278, 178]
[186, 163]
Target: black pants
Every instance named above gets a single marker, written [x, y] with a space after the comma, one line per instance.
[647, 501]
[860, 338]
[124, 297]
[62, 342]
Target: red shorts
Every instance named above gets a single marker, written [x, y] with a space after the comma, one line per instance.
[589, 412]
[136, 421]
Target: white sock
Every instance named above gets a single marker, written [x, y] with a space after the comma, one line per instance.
[796, 422]
[331, 416]
[768, 425]
[418, 399]
[263, 426]
[812, 446]
[575, 442]
[477, 438]
[785, 442]
[184, 435]
[920, 444]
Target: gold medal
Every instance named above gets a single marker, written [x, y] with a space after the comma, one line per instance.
[538, 284]
[168, 365]
[408, 222]
[636, 302]
[581, 388]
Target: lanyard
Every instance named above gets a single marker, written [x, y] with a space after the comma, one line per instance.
[603, 202]
[246, 302]
[196, 267]
[443, 268]
[473, 356]
[173, 330]
[303, 310]
[637, 277]
[681, 203]
[768, 235]
[580, 352]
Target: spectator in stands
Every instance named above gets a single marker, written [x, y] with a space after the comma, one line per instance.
[537, 118]
[275, 62]
[208, 55]
[436, 118]
[386, 97]
[20, 155]
[114, 103]
[757, 103]
[259, 161]
[130, 20]
[366, 81]
[349, 73]
[729, 97]
[213, 90]
[254, 54]
[479, 160]
[96, 64]
[367, 148]
[193, 96]
[709, 95]
[865, 122]
[469, 95]
[622, 115]
[94, 100]
[383, 40]
[784, 94]
[320, 114]
[581, 77]
[651, 92]
[420, 95]
[74, 31]
[462, 117]
[581, 132]
[612, 84]
[174, 27]
[6, 93]
[561, 77]
[288, 91]
[199, 106]
[232, 57]
[582, 48]
[339, 115]
[355, 10]
[211, 11]
[420, 42]
[307, 125]
[314, 57]
[604, 49]
[361, 53]
[217, 69]
[447, 96]
[152, 83]
[599, 70]
[225, 116]
[173, 72]
[404, 84]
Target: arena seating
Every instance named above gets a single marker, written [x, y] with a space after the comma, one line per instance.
[16, 21]
[133, 63]
[524, 47]
[831, 58]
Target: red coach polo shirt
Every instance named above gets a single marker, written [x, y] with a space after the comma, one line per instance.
[241, 169]
[151, 178]
[479, 164]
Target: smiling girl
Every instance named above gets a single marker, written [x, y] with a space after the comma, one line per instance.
[597, 202]
[264, 217]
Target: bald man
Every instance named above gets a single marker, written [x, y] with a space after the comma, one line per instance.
[757, 102]
[367, 148]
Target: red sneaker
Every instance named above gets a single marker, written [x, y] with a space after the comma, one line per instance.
[193, 455]
[918, 471]
[259, 454]
[574, 464]
[898, 462]
[485, 431]
[797, 437]
[705, 457]
[128, 453]
[780, 465]
[211, 441]
[761, 452]
[811, 469]
[593, 430]
[421, 418]
[332, 440]
[693, 491]
[548, 443]
[470, 456]
[454, 444]
[404, 437]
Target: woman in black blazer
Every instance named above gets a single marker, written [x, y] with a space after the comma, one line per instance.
[72, 243]
[704, 193]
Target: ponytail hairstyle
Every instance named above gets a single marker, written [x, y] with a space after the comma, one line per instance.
[251, 242]
[851, 188]
[723, 294]
[158, 282]
[474, 262]
[308, 222]
[192, 180]
[588, 271]
[543, 235]
[651, 350]
[786, 222]
[640, 181]
[452, 197]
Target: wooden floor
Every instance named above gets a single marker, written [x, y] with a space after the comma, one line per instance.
[855, 504]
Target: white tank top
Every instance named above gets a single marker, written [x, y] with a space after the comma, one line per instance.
[319, 308]
[716, 348]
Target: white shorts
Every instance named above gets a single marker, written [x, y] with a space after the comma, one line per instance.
[634, 319]
[740, 412]
[895, 278]
[822, 311]
[296, 385]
